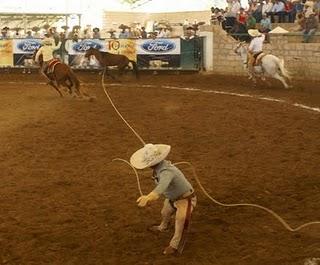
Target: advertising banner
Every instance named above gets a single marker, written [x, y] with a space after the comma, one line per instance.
[158, 53]
[23, 50]
[126, 47]
[80, 47]
[6, 53]
[158, 46]
[26, 46]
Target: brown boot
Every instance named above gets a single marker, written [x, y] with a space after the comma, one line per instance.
[170, 251]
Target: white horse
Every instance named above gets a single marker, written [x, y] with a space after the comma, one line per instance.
[271, 66]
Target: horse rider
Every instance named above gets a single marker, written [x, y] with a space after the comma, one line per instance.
[170, 182]
[254, 49]
[47, 49]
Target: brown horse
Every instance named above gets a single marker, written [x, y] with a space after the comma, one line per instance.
[61, 74]
[109, 59]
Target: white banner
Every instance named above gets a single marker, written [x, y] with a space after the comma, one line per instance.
[158, 46]
[83, 45]
[25, 46]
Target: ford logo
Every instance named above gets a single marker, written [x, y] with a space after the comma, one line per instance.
[29, 45]
[85, 45]
[159, 46]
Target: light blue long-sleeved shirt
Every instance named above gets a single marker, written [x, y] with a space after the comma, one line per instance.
[170, 181]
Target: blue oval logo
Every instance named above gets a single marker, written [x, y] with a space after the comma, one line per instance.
[84, 45]
[29, 45]
[158, 46]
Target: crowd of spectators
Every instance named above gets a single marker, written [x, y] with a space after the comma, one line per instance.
[261, 14]
[135, 30]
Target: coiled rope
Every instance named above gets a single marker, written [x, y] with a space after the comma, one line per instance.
[281, 220]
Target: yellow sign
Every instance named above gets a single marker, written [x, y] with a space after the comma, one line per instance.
[6, 53]
[123, 46]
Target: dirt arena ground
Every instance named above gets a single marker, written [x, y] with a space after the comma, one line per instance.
[63, 200]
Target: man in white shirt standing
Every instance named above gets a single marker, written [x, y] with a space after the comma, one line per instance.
[47, 54]
[278, 9]
[232, 14]
[255, 48]
[267, 7]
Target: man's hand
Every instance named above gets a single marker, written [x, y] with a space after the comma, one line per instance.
[143, 200]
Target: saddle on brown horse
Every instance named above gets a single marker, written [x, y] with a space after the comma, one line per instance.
[51, 66]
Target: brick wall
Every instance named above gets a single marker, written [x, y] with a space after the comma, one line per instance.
[301, 59]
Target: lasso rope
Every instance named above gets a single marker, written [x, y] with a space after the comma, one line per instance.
[135, 172]
[281, 220]
[115, 108]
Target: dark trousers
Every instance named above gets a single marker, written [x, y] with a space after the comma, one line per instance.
[281, 15]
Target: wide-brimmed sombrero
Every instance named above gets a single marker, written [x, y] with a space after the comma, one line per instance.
[149, 155]
[254, 33]
[47, 41]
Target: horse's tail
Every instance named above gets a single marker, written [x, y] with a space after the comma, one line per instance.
[283, 70]
[135, 68]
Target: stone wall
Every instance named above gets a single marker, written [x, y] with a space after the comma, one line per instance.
[301, 59]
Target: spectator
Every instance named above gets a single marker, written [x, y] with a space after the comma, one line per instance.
[29, 35]
[251, 21]
[69, 48]
[316, 6]
[112, 34]
[124, 34]
[17, 34]
[311, 27]
[28, 60]
[4, 33]
[288, 5]
[239, 30]
[164, 33]
[231, 16]
[143, 33]
[96, 33]
[63, 52]
[308, 8]
[189, 34]
[265, 24]
[87, 32]
[278, 10]
[300, 22]
[297, 8]
[131, 34]
[257, 11]
[152, 35]
[267, 7]
[217, 17]
[242, 16]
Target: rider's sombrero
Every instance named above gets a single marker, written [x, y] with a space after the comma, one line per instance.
[47, 41]
[149, 155]
[254, 33]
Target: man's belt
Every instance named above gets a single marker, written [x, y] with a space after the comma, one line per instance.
[187, 195]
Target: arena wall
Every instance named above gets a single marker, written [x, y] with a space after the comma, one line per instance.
[114, 19]
[302, 59]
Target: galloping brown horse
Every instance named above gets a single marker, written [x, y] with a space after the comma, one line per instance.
[61, 74]
[109, 59]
